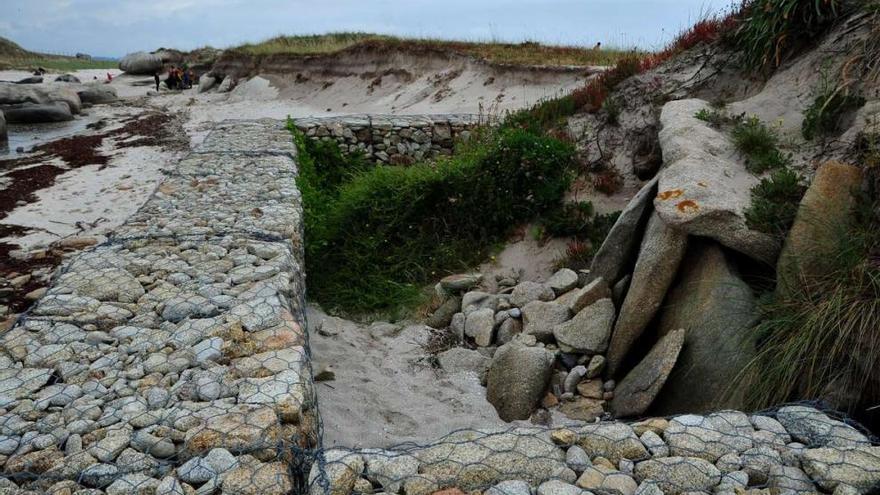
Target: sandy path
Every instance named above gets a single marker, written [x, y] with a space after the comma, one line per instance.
[385, 393]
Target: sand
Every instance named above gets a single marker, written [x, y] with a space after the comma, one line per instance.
[386, 393]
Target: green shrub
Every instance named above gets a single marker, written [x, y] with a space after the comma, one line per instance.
[714, 116]
[775, 202]
[771, 30]
[822, 335]
[759, 144]
[372, 242]
[589, 230]
[612, 111]
[823, 116]
[543, 115]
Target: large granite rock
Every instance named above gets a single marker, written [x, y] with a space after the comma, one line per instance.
[95, 94]
[640, 387]
[717, 310]
[661, 252]
[704, 188]
[616, 253]
[141, 63]
[35, 104]
[37, 113]
[824, 213]
[517, 379]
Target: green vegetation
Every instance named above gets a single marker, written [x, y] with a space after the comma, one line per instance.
[759, 144]
[775, 203]
[714, 116]
[376, 234]
[526, 53]
[823, 116]
[12, 56]
[810, 333]
[580, 221]
[612, 111]
[771, 30]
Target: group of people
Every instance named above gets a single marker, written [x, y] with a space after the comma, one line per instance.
[178, 78]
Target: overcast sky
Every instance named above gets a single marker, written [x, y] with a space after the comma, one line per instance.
[117, 27]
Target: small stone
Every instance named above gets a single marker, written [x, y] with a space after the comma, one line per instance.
[526, 292]
[595, 366]
[656, 446]
[577, 459]
[563, 281]
[599, 479]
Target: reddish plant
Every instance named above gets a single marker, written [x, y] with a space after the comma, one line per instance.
[607, 181]
[710, 29]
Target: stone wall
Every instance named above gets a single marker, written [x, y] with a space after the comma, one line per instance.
[172, 356]
[392, 139]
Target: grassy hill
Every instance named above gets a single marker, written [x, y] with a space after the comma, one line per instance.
[526, 53]
[13, 56]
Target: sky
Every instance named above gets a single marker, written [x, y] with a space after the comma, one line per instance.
[116, 27]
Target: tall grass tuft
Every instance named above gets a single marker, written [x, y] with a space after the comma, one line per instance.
[771, 30]
[759, 143]
[820, 338]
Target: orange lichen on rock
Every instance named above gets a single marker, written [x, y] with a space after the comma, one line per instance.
[670, 194]
[687, 206]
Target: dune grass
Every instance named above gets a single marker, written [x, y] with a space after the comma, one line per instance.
[810, 332]
[526, 53]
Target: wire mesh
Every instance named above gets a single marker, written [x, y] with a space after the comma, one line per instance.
[173, 359]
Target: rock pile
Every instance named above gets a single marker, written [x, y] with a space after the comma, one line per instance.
[393, 139]
[539, 336]
[54, 102]
[172, 358]
[796, 449]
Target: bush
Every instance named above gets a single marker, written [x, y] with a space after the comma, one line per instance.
[770, 30]
[375, 239]
[612, 111]
[821, 337]
[588, 229]
[759, 143]
[775, 202]
[824, 115]
[714, 117]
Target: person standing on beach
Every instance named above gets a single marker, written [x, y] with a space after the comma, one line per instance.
[156, 78]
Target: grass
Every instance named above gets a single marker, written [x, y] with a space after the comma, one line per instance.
[57, 64]
[13, 56]
[587, 228]
[809, 333]
[823, 116]
[770, 31]
[759, 143]
[377, 234]
[775, 202]
[715, 117]
[526, 53]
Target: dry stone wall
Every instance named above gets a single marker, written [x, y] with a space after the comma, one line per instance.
[392, 139]
[172, 357]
